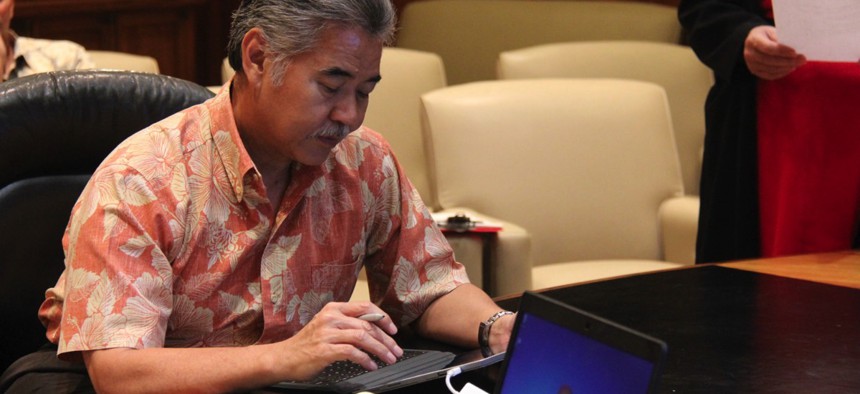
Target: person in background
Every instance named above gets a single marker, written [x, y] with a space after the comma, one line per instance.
[22, 56]
[780, 174]
[216, 250]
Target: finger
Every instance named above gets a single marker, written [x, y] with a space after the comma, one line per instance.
[783, 50]
[768, 73]
[364, 337]
[373, 337]
[771, 73]
[765, 53]
[779, 62]
[375, 340]
[764, 41]
[769, 67]
[359, 333]
[356, 355]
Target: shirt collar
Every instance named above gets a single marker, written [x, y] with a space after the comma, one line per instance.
[228, 144]
[235, 158]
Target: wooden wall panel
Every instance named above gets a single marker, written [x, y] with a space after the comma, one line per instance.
[187, 37]
[164, 29]
[169, 37]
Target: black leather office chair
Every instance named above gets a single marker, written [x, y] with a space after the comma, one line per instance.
[55, 128]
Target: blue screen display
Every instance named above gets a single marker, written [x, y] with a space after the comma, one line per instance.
[548, 358]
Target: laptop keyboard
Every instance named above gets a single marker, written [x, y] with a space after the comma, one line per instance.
[348, 377]
[340, 371]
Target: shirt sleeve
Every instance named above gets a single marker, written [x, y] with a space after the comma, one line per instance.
[116, 288]
[414, 264]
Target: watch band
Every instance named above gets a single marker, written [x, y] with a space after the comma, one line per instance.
[484, 332]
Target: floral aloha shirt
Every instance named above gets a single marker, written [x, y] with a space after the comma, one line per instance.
[170, 244]
[33, 56]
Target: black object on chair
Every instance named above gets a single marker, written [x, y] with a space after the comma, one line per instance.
[55, 128]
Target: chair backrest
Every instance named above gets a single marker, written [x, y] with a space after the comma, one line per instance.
[470, 34]
[582, 165]
[674, 67]
[395, 108]
[112, 60]
[55, 128]
[226, 71]
[66, 122]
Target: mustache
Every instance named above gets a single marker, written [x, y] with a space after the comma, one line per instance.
[333, 130]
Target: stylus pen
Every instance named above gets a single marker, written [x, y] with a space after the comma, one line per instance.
[372, 317]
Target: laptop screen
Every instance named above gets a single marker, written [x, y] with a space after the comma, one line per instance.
[558, 349]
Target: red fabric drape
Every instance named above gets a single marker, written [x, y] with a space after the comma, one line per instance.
[809, 159]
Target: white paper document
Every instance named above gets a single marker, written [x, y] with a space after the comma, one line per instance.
[821, 30]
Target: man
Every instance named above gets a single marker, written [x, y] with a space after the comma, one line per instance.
[21, 56]
[215, 250]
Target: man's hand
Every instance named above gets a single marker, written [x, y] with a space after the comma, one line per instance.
[336, 333]
[766, 58]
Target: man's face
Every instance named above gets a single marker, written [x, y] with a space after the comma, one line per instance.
[7, 8]
[323, 96]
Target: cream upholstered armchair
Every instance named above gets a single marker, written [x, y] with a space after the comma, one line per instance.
[674, 67]
[226, 71]
[395, 112]
[112, 60]
[470, 34]
[587, 167]
[395, 109]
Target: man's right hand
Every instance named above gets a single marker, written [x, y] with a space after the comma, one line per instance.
[766, 58]
[336, 333]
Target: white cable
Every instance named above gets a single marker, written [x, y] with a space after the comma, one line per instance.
[451, 373]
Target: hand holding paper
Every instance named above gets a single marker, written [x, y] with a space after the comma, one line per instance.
[768, 59]
[821, 30]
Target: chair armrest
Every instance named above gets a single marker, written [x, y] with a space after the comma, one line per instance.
[679, 221]
[114, 60]
[510, 256]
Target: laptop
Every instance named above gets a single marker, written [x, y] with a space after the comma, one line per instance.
[556, 348]
[416, 366]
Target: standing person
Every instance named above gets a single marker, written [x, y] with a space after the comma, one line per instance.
[780, 173]
[217, 249]
[22, 56]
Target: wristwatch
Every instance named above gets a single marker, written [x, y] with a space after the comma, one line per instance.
[484, 332]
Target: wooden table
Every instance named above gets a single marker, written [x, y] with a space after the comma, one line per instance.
[781, 325]
[839, 268]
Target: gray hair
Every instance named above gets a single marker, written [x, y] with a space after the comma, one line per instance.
[291, 27]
